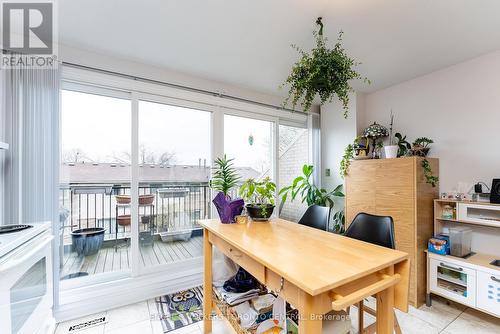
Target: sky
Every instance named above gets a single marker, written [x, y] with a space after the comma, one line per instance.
[99, 129]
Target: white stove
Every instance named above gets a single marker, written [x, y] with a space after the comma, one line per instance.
[26, 283]
[12, 240]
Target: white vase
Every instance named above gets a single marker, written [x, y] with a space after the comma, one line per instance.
[391, 151]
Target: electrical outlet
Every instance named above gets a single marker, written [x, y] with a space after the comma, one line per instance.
[327, 172]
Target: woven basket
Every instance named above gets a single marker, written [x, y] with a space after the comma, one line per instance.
[231, 316]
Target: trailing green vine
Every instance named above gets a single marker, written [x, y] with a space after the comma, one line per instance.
[346, 160]
[324, 72]
[430, 179]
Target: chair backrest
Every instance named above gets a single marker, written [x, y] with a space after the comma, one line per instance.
[377, 230]
[316, 216]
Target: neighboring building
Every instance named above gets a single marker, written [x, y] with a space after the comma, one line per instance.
[294, 148]
[116, 173]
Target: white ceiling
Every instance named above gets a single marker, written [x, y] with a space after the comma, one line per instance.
[247, 42]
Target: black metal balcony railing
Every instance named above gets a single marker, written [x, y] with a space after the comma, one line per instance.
[177, 207]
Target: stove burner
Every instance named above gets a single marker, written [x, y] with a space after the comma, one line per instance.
[13, 228]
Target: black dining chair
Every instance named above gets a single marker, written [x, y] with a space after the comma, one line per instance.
[378, 230]
[316, 216]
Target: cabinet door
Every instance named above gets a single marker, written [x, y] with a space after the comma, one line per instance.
[394, 197]
[360, 188]
[453, 281]
[488, 292]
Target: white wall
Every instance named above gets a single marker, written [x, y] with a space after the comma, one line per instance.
[336, 133]
[458, 107]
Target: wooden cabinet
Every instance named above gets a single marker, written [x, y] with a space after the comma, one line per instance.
[397, 188]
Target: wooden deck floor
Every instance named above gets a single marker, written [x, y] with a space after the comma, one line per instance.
[108, 259]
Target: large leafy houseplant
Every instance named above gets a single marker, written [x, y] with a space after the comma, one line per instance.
[304, 187]
[324, 72]
[259, 196]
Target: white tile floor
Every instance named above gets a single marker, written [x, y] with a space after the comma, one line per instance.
[442, 317]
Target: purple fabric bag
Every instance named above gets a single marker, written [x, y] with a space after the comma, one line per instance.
[227, 208]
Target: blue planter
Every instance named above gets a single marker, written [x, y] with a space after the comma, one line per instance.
[87, 241]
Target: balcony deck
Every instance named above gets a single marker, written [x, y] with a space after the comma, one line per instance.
[108, 259]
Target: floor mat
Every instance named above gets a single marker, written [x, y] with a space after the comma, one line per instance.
[180, 309]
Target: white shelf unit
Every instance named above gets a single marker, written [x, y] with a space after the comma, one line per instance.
[473, 281]
[4, 146]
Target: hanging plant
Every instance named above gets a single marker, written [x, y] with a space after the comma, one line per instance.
[325, 72]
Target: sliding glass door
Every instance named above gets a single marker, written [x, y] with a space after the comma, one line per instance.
[174, 170]
[249, 142]
[95, 178]
[134, 180]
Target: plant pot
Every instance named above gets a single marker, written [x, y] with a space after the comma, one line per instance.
[420, 151]
[260, 212]
[122, 199]
[123, 220]
[143, 199]
[391, 151]
[227, 208]
[146, 199]
[87, 241]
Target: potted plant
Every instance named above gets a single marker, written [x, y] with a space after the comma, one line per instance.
[420, 146]
[224, 179]
[339, 222]
[259, 196]
[309, 192]
[356, 150]
[404, 147]
[324, 72]
[391, 150]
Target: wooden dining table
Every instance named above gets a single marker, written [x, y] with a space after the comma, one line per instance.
[315, 271]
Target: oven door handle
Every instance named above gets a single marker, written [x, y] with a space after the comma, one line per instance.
[13, 263]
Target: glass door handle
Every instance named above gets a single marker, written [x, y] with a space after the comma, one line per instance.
[450, 267]
[493, 278]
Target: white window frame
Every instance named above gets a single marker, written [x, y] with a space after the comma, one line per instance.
[163, 277]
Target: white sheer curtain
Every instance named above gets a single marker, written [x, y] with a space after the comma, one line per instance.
[31, 127]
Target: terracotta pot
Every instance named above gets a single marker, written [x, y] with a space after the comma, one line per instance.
[123, 220]
[146, 199]
[122, 199]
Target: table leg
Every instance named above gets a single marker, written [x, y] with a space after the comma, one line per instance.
[309, 321]
[207, 284]
[385, 310]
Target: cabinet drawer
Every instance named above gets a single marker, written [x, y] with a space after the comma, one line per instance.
[488, 292]
[243, 260]
[453, 281]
